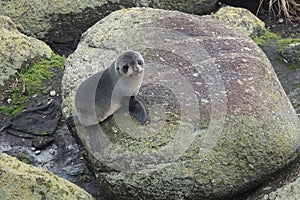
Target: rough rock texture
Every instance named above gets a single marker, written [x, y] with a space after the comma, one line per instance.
[290, 191]
[241, 19]
[64, 21]
[21, 181]
[219, 120]
[285, 61]
[294, 97]
[17, 49]
[291, 54]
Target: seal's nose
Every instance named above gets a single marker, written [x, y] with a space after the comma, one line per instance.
[137, 68]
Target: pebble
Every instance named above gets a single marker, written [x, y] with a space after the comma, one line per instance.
[9, 101]
[280, 20]
[34, 96]
[37, 152]
[33, 148]
[251, 166]
[204, 101]
[240, 82]
[42, 142]
[52, 93]
[52, 151]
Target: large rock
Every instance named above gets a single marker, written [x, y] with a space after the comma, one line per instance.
[64, 21]
[240, 18]
[17, 49]
[21, 181]
[219, 120]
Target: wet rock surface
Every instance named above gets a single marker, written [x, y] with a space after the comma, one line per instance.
[21, 181]
[259, 134]
[52, 153]
[58, 158]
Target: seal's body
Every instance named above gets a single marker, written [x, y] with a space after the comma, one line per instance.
[105, 92]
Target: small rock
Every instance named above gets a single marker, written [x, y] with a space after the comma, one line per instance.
[291, 53]
[9, 101]
[33, 148]
[280, 20]
[34, 96]
[240, 82]
[115, 130]
[204, 101]
[52, 93]
[251, 166]
[37, 152]
[85, 178]
[52, 151]
[42, 142]
[267, 188]
[74, 170]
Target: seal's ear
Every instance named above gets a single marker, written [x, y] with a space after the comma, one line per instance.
[140, 62]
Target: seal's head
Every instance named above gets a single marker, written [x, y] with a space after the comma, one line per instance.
[130, 63]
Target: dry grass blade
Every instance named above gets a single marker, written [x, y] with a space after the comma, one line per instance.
[289, 9]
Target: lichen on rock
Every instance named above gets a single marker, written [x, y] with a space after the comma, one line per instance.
[241, 19]
[288, 191]
[22, 181]
[219, 121]
[64, 21]
[17, 49]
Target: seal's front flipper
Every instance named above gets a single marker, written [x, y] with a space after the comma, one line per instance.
[137, 110]
[94, 137]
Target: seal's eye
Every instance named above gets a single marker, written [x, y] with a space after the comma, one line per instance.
[125, 68]
[139, 62]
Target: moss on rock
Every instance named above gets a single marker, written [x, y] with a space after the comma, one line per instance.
[204, 155]
[30, 82]
[17, 49]
[287, 48]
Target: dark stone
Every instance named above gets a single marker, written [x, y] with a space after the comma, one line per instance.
[42, 142]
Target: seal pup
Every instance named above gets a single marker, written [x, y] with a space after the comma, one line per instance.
[105, 92]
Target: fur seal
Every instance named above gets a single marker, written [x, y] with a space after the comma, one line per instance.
[105, 92]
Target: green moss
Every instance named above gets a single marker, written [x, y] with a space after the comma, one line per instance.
[30, 82]
[44, 133]
[85, 178]
[286, 41]
[269, 38]
[265, 38]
